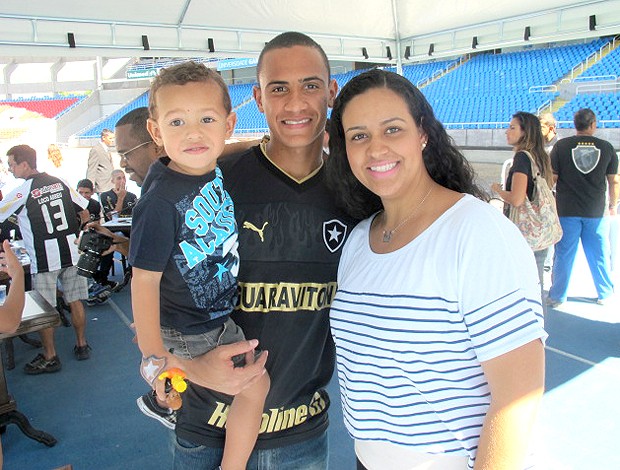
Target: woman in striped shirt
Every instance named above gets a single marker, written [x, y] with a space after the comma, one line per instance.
[438, 320]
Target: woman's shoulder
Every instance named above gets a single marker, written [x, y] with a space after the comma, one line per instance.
[478, 215]
[521, 163]
[477, 223]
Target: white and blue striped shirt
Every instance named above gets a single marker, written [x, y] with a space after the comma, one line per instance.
[411, 327]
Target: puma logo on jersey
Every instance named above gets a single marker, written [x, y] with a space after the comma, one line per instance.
[254, 228]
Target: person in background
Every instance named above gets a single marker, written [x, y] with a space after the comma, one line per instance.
[434, 372]
[85, 189]
[100, 163]
[135, 145]
[117, 201]
[548, 127]
[54, 155]
[524, 135]
[583, 167]
[100, 289]
[48, 223]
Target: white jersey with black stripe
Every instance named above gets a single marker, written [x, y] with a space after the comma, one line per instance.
[47, 220]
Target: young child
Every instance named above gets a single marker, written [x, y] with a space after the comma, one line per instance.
[184, 247]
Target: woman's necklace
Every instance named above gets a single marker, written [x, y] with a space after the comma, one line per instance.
[387, 234]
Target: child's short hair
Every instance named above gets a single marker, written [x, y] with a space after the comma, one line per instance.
[181, 74]
[86, 183]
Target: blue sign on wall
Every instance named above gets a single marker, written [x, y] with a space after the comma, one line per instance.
[230, 64]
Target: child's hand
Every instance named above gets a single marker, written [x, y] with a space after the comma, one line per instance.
[160, 391]
[168, 399]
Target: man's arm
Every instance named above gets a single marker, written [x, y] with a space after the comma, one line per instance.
[120, 200]
[13, 201]
[614, 190]
[214, 370]
[84, 216]
[121, 243]
[555, 165]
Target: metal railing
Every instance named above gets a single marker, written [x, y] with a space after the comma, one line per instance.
[542, 88]
[545, 107]
[597, 87]
[594, 78]
[606, 123]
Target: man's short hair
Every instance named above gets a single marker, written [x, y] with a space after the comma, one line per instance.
[136, 119]
[24, 153]
[584, 118]
[116, 172]
[288, 40]
[105, 132]
[548, 119]
[182, 74]
[86, 183]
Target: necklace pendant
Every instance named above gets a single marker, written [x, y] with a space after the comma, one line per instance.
[387, 236]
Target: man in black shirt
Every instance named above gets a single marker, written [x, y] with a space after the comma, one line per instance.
[118, 201]
[583, 167]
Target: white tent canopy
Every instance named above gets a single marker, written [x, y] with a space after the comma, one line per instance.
[239, 28]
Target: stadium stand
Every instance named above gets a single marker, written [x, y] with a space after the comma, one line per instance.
[477, 92]
[486, 90]
[421, 74]
[606, 106]
[51, 108]
[239, 95]
[608, 68]
[109, 122]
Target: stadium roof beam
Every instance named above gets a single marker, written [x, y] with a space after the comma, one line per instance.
[180, 28]
[569, 21]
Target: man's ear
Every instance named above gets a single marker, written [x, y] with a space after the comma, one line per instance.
[258, 97]
[333, 91]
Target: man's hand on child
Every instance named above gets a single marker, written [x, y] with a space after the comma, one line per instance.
[216, 370]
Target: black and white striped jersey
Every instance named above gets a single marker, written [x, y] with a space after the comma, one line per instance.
[47, 220]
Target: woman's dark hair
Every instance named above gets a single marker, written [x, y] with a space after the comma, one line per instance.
[533, 141]
[445, 164]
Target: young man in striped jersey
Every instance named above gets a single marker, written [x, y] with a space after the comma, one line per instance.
[48, 223]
